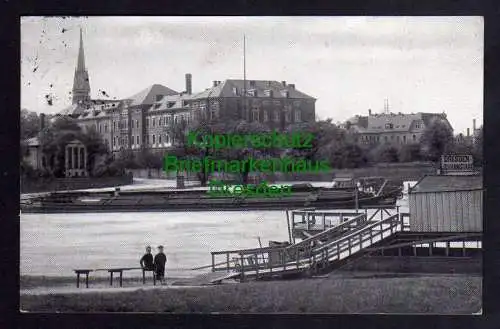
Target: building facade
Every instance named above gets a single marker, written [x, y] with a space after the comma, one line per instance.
[143, 120]
[392, 128]
[274, 104]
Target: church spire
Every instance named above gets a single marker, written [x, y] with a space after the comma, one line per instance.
[81, 84]
[80, 66]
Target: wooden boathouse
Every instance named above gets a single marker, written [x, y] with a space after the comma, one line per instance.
[447, 203]
[443, 222]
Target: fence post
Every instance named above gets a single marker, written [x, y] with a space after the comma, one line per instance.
[357, 199]
[297, 255]
[283, 257]
[213, 262]
[227, 261]
[257, 265]
[289, 228]
[242, 268]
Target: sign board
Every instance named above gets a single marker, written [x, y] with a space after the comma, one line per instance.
[457, 163]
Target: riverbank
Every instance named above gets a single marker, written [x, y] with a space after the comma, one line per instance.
[336, 293]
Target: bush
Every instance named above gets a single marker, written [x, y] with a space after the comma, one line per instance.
[147, 159]
[384, 153]
[410, 153]
[110, 169]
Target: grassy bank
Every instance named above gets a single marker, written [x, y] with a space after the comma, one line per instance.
[428, 294]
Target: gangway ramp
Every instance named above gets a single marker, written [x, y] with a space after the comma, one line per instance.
[226, 276]
[213, 278]
[317, 253]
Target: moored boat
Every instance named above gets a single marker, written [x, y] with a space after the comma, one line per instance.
[191, 200]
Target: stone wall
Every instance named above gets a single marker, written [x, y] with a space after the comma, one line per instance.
[75, 183]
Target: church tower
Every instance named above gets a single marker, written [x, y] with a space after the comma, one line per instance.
[81, 84]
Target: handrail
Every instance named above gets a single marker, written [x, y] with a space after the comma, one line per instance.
[312, 257]
[302, 253]
[313, 252]
[366, 228]
[411, 243]
[321, 213]
[245, 251]
[328, 231]
[381, 188]
[303, 242]
[263, 249]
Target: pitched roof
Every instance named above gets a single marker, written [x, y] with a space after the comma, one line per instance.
[148, 95]
[171, 102]
[225, 89]
[402, 122]
[448, 184]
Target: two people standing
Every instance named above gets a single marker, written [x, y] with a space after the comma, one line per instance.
[156, 264]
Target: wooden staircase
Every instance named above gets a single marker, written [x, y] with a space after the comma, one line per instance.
[319, 253]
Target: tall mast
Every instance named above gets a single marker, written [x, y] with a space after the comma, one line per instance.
[244, 78]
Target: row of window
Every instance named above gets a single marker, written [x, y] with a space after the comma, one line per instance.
[277, 116]
[418, 125]
[267, 93]
[373, 138]
[150, 121]
[212, 115]
[135, 140]
[164, 120]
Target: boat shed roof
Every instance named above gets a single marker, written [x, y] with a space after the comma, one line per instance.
[447, 183]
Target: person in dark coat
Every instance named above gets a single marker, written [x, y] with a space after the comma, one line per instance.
[147, 260]
[159, 263]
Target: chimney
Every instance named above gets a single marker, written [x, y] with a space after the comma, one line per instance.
[292, 86]
[42, 121]
[189, 83]
[283, 83]
[468, 132]
[215, 83]
[473, 125]
[369, 111]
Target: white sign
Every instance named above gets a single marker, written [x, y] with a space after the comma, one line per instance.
[455, 162]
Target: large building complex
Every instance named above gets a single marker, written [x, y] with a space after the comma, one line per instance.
[392, 128]
[143, 120]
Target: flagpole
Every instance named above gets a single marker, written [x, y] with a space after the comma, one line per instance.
[244, 79]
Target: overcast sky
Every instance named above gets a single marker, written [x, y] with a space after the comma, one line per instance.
[350, 64]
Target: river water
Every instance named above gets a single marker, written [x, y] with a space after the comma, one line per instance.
[54, 244]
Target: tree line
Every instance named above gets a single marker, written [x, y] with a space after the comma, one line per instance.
[332, 143]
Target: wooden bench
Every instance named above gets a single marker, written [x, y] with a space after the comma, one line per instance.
[120, 271]
[82, 271]
[111, 272]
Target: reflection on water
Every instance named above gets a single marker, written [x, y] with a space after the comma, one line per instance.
[54, 244]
